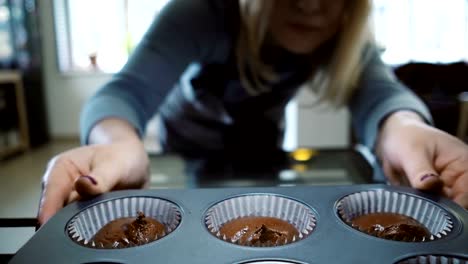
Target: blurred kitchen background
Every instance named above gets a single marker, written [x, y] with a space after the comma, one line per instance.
[54, 54]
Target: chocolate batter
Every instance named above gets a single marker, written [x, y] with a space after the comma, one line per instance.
[392, 226]
[259, 231]
[129, 232]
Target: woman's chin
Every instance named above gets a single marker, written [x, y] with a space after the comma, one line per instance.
[299, 46]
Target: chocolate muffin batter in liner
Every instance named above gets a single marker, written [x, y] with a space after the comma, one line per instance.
[414, 219]
[260, 220]
[431, 259]
[138, 212]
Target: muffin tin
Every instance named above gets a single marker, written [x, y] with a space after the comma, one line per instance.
[328, 239]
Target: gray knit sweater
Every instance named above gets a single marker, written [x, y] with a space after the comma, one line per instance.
[184, 69]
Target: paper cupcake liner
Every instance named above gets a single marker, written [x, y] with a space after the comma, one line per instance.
[431, 259]
[432, 216]
[262, 205]
[83, 226]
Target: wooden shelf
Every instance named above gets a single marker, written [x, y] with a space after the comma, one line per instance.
[15, 78]
[8, 76]
[11, 150]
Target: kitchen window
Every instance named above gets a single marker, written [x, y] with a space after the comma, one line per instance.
[99, 35]
[434, 31]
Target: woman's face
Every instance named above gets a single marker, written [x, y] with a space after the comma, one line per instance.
[301, 26]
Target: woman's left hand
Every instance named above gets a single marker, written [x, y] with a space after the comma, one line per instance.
[416, 154]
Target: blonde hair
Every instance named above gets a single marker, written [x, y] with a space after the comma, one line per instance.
[334, 81]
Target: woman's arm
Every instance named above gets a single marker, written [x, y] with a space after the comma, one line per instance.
[378, 95]
[112, 130]
[183, 32]
[112, 121]
[394, 123]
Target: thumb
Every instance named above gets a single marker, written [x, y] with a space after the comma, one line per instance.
[103, 178]
[421, 173]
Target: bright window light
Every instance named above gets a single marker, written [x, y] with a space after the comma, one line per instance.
[99, 35]
[431, 31]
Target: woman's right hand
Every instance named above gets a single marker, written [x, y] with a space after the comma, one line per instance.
[91, 170]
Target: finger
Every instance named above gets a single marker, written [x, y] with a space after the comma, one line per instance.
[57, 185]
[462, 199]
[460, 190]
[421, 174]
[74, 196]
[447, 192]
[102, 178]
[86, 186]
[393, 176]
[52, 201]
[460, 184]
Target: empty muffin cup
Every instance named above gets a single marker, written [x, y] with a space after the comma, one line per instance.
[127, 222]
[433, 259]
[260, 220]
[395, 216]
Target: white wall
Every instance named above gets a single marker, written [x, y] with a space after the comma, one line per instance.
[309, 125]
[64, 94]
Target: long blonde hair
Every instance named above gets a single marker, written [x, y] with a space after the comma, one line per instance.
[334, 81]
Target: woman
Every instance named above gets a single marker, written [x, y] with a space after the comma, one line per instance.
[220, 73]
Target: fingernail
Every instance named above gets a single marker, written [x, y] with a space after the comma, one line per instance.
[427, 176]
[91, 179]
[38, 225]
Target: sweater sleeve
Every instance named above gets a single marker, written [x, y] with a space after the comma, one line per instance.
[379, 94]
[182, 33]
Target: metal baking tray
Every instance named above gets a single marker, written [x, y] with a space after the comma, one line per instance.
[332, 240]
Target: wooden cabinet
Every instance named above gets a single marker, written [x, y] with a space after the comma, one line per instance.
[14, 131]
[462, 131]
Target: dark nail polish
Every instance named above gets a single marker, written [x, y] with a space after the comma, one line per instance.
[427, 176]
[91, 179]
[38, 225]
